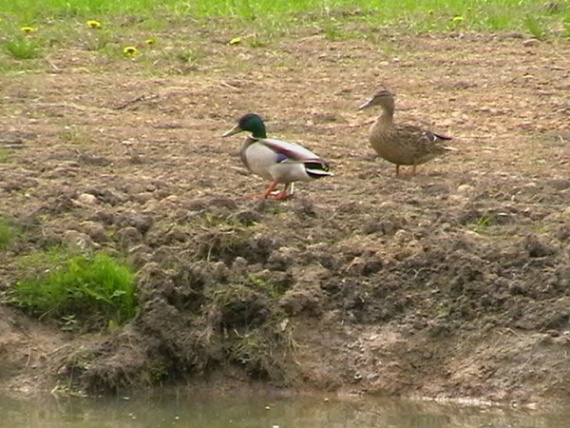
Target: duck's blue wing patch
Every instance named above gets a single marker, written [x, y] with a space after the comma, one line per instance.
[281, 157]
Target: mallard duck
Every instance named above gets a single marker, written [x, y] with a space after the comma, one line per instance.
[276, 160]
[402, 144]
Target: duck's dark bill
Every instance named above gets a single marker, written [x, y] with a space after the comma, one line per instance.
[366, 104]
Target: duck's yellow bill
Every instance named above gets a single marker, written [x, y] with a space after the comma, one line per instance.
[233, 131]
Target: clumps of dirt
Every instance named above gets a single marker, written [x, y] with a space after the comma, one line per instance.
[450, 283]
[206, 304]
[230, 288]
[298, 292]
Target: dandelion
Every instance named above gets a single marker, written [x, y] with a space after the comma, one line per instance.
[28, 30]
[130, 51]
[235, 41]
[150, 41]
[457, 19]
[93, 24]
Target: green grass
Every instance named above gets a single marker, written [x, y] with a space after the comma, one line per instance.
[5, 234]
[482, 224]
[93, 292]
[4, 155]
[22, 48]
[419, 15]
[536, 27]
[185, 30]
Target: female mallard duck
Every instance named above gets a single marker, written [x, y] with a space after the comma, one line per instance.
[276, 160]
[402, 144]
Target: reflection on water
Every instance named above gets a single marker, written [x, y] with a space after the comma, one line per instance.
[171, 409]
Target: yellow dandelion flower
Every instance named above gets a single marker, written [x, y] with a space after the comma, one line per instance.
[130, 51]
[150, 41]
[28, 29]
[93, 24]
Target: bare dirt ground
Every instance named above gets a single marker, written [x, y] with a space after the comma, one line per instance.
[454, 283]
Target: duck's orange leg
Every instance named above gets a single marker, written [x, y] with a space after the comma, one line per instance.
[287, 192]
[269, 191]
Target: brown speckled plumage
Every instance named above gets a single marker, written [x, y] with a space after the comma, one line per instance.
[402, 144]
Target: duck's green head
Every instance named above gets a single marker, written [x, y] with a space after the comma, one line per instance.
[250, 122]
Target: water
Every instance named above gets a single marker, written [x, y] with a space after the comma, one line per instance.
[201, 411]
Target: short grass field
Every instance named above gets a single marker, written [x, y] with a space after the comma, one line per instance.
[57, 22]
[280, 15]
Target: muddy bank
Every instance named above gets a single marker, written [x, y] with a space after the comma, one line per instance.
[452, 283]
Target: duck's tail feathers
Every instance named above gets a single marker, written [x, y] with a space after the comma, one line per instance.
[317, 169]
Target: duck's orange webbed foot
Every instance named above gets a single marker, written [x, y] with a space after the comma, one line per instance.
[280, 195]
[269, 191]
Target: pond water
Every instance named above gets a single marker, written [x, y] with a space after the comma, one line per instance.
[263, 411]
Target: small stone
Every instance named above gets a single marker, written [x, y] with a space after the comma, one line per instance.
[76, 239]
[87, 199]
[403, 236]
[531, 42]
[239, 265]
[465, 189]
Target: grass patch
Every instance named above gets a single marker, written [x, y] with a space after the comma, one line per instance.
[93, 292]
[482, 224]
[269, 16]
[536, 27]
[22, 48]
[96, 40]
[6, 234]
[270, 287]
[189, 56]
[4, 155]
[108, 28]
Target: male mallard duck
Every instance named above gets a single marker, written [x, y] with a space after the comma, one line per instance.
[276, 160]
[402, 144]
